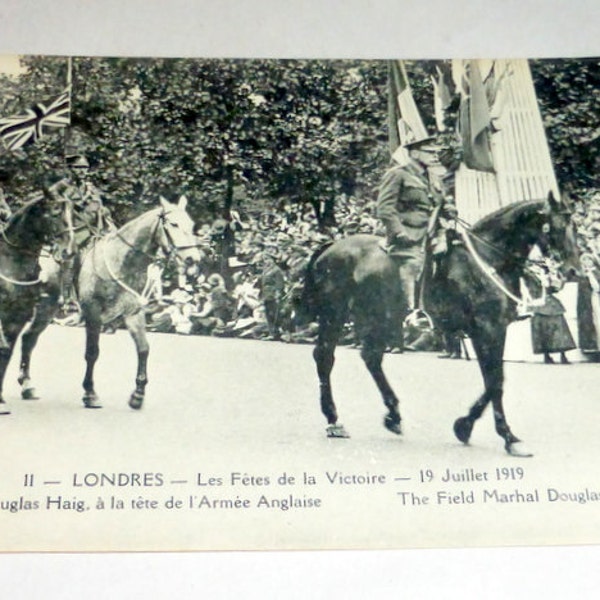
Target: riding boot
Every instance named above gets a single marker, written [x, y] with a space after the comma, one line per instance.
[409, 271]
[68, 293]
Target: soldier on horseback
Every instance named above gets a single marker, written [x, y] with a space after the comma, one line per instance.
[86, 217]
[413, 200]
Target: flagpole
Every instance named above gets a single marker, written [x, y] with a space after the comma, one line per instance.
[67, 131]
[69, 71]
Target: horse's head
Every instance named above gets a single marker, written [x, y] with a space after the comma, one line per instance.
[558, 234]
[38, 222]
[176, 233]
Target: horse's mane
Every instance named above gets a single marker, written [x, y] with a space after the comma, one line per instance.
[506, 216]
[144, 215]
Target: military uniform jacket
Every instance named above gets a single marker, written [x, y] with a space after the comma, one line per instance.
[89, 215]
[405, 203]
[272, 283]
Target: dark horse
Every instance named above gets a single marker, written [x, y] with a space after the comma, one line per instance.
[473, 289]
[33, 226]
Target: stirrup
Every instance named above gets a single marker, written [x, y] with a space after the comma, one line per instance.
[415, 314]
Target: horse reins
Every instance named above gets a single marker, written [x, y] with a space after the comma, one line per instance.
[20, 283]
[174, 248]
[148, 287]
[487, 269]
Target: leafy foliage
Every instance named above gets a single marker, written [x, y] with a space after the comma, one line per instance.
[256, 133]
[218, 131]
[569, 95]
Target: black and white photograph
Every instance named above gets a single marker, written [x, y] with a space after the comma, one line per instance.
[294, 304]
[316, 277]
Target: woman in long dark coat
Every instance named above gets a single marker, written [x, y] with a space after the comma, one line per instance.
[550, 331]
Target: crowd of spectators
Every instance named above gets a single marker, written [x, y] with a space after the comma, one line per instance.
[253, 297]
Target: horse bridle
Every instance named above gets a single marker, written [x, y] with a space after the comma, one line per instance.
[466, 234]
[172, 251]
[468, 230]
[173, 248]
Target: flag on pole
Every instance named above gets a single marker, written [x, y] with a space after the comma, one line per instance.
[404, 120]
[442, 98]
[27, 128]
[475, 121]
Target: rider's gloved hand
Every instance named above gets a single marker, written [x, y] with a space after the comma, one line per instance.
[450, 211]
[401, 240]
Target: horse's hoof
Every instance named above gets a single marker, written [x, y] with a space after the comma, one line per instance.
[91, 401]
[337, 431]
[4, 410]
[136, 400]
[393, 424]
[517, 449]
[29, 394]
[462, 429]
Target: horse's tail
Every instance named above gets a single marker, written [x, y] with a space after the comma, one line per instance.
[308, 305]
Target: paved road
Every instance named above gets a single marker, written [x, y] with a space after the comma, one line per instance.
[237, 393]
[222, 406]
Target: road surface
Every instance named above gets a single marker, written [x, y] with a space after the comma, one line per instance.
[229, 408]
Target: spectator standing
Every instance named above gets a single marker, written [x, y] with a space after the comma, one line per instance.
[272, 287]
[588, 304]
[550, 331]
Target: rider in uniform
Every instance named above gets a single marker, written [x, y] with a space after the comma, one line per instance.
[412, 199]
[86, 216]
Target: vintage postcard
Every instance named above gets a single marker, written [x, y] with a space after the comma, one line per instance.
[194, 240]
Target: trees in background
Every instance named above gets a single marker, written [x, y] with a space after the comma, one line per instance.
[257, 133]
[568, 91]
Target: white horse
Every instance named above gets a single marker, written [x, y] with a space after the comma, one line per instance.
[113, 282]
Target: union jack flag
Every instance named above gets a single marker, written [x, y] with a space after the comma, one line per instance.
[27, 128]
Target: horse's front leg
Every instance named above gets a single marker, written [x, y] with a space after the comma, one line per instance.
[372, 355]
[12, 328]
[489, 341]
[494, 383]
[5, 355]
[136, 325]
[329, 332]
[43, 315]
[92, 350]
